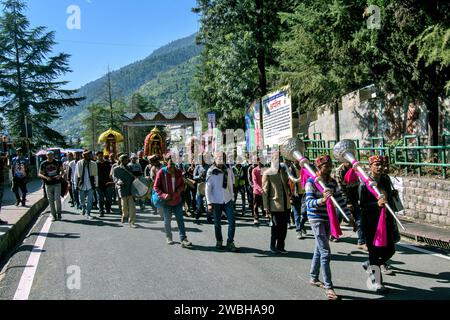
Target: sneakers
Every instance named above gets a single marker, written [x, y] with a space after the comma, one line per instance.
[185, 243]
[300, 235]
[2, 222]
[89, 217]
[386, 269]
[17, 203]
[255, 222]
[283, 251]
[231, 247]
[169, 241]
[54, 219]
[132, 225]
[219, 245]
[362, 246]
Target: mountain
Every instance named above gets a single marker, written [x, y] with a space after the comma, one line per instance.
[164, 77]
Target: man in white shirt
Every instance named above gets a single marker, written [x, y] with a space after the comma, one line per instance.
[86, 180]
[219, 196]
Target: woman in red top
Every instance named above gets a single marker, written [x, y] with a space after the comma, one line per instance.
[169, 185]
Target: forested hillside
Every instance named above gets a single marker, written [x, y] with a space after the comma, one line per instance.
[164, 77]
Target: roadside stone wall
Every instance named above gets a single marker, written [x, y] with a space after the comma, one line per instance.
[425, 200]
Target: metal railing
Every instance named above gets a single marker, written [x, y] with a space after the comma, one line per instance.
[410, 156]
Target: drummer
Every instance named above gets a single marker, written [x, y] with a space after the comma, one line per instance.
[124, 180]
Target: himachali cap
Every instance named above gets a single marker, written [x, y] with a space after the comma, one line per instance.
[376, 158]
[322, 160]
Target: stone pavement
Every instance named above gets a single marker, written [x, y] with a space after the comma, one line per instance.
[19, 218]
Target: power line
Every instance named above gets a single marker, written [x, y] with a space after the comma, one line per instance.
[109, 43]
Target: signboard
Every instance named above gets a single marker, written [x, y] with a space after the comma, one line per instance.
[277, 117]
[211, 120]
[253, 126]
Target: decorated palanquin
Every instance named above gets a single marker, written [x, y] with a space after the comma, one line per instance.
[155, 143]
[111, 139]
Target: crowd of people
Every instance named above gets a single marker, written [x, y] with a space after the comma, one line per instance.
[285, 198]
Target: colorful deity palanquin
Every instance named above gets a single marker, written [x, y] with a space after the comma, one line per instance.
[155, 143]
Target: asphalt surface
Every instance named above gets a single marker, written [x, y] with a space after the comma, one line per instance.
[117, 262]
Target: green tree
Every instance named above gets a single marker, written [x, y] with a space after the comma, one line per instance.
[410, 53]
[238, 38]
[28, 76]
[318, 57]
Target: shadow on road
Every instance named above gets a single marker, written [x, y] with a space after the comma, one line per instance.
[57, 235]
[93, 222]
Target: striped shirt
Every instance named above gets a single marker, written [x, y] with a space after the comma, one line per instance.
[316, 209]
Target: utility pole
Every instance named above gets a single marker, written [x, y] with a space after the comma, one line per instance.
[110, 98]
[336, 121]
[93, 131]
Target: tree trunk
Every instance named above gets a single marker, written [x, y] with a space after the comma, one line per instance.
[260, 53]
[433, 119]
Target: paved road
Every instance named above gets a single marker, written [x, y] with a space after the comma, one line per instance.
[117, 262]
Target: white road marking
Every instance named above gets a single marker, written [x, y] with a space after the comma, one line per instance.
[423, 251]
[26, 281]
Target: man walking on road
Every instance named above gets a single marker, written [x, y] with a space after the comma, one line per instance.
[276, 200]
[318, 216]
[169, 185]
[51, 172]
[123, 178]
[73, 186]
[86, 180]
[105, 184]
[20, 170]
[219, 196]
[3, 165]
[67, 176]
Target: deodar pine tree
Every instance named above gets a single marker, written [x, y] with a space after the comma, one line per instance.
[29, 77]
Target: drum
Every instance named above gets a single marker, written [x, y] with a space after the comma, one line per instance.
[201, 188]
[141, 188]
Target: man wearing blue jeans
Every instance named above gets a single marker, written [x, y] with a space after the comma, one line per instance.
[320, 224]
[219, 196]
[169, 185]
[3, 164]
[86, 180]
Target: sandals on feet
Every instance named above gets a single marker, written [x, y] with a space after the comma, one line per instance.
[331, 295]
[317, 283]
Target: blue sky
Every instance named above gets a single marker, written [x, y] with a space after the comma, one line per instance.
[112, 32]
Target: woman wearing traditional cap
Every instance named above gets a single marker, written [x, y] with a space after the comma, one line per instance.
[379, 233]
